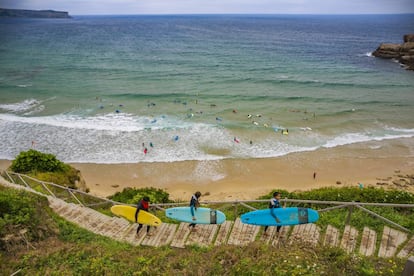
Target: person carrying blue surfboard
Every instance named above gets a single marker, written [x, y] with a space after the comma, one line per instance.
[194, 203]
[273, 204]
[142, 205]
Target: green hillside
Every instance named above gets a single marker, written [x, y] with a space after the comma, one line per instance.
[35, 241]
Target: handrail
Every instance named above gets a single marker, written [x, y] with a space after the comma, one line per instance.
[244, 203]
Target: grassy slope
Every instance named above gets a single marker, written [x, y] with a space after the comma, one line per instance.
[62, 248]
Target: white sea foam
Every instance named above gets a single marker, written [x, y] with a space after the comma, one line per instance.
[352, 138]
[111, 122]
[118, 138]
[25, 105]
[374, 147]
[35, 110]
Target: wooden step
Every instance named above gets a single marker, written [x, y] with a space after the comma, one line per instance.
[73, 212]
[181, 235]
[242, 234]
[106, 227]
[131, 237]
[122, 225]
[368, 242]
[203, 236]
[269, 235]
[223, 233]
[407, 250]
[349, 239]
[114, 228]
[281, 237]
[305, 233]
[331, 236]
[161, 235]
[390, 241]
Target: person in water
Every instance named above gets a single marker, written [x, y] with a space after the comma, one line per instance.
[194, 204]
[273, 204]
[142, 205]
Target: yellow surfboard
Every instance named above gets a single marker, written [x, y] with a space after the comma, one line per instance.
[128, 212]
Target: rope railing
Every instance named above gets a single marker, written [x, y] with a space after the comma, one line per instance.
[235, 203]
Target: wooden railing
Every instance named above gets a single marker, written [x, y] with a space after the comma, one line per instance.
[88, 200]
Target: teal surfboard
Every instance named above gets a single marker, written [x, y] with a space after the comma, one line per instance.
[286, 216]
[203, 215]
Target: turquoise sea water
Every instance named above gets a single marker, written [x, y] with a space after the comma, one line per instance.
[101, 89]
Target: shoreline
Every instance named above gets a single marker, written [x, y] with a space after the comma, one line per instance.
[246, 179]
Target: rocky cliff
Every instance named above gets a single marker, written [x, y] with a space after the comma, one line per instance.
[33, 14]
[404, 52]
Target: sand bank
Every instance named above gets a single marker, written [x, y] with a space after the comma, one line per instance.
[243, 179]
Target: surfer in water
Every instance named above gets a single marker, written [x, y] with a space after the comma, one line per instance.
[142, 205]
[194, 204]
[274, 203]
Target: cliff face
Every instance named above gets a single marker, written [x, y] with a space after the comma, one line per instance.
[33, 14]
[404, 52]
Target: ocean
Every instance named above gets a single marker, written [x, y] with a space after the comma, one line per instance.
[101, 89]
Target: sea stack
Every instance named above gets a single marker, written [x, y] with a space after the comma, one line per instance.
[404, 52]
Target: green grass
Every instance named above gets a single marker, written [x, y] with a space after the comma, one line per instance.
[65, 249]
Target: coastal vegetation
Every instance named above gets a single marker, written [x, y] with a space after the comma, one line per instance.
[134, 195]
[36, 241]
[46, 167]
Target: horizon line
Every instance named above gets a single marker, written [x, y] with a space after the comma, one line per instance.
[262, 14]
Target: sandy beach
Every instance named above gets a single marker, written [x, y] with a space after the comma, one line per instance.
[244, 179]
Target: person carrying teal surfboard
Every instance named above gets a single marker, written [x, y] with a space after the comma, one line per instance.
[273, 204]
[194, 203]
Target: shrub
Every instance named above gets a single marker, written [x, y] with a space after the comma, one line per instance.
[20, 210]
[369, 194]
[133, 195]
[36, 161]
[45, 167]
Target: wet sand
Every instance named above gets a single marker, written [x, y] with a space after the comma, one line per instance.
[244, 179]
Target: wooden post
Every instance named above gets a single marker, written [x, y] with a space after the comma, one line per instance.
[348, 218]
[235, 209]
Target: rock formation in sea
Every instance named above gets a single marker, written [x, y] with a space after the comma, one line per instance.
[404, 52]
[33, 14]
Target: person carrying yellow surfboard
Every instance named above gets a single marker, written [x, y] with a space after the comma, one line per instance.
[142, 205]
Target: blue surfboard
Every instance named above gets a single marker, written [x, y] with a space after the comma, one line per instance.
[286, 216]
[203, 215]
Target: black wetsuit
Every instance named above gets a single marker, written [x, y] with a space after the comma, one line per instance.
[193, 206]
[274, 203]
[142, 205]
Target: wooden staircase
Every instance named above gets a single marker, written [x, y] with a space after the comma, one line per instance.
[236, 233]
[392, 242]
